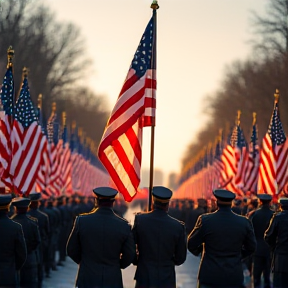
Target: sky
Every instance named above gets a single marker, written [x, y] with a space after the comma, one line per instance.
[196, 40]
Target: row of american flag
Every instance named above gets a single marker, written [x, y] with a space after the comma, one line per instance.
[240, 167]
[34, 157]
[38, 157]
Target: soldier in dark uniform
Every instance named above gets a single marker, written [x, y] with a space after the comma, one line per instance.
[262, 256]
[224, 238]
[101, 242]
[161, 243]
[236, 206]
[277, 237]
[28, 273]
[43, 223]
[13, 251]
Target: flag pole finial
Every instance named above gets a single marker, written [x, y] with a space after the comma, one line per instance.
[54, 107]
[64, 118]
[73, 125]
[238, 117]
[25, 72]
[10, 54]
[40, 101]
[154, 5]
[276, 95]
[254, 118]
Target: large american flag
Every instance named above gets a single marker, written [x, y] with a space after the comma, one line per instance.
[252, 168]
[28, 143]
[120, 149]
[7, 95]
[273, 157]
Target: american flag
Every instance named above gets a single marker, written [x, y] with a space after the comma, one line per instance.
[241, 153]
[273, 156]
[252, 167]
[55, 150]
[120, 149]
[7, 95]
[230, 162]
[28, 142]
[66, 167]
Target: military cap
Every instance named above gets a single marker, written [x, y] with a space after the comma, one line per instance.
[5, 200]
[283, 201]
[35, 196]
[237, 202]
[161, 194]
[264, 197]
[105, 192]
[21, 202]
[60, 199]
[224, 195]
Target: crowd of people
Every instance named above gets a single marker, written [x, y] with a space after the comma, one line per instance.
[230, 235]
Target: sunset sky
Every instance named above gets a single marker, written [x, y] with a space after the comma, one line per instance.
[196, 39]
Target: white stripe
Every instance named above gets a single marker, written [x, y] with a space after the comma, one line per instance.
[119, 169]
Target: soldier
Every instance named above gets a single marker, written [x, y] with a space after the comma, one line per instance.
[262, 258]
[276, 237]
[228, 238]
[28, 273]
[161, 242]
[101, 242]
[43, 223]
[13, 251]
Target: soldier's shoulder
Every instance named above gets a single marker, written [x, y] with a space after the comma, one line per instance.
[14, 224]
[121, 219]
[176, 221]
[33, 219]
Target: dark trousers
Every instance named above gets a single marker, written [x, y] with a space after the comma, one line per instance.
[280, 280]
[261, 266]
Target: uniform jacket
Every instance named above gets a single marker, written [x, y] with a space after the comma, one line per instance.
[32, 237]
[260, 220]
[161, 242]
[277, 237]
[96, 242]
[227, 238]
[13, 251]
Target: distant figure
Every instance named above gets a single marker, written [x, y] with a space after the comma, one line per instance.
[277, 237]
[262, 256]
[193, 215]
[236, 206]
[161, 242]
[28, 273]
[13, 251]
[101, 242]
[43, 223]
[224, 239]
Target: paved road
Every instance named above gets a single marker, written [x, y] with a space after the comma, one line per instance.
[65, 276]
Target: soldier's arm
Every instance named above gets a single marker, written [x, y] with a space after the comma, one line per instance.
[20, 249]
[195, 238]
[73, 244]
[181, 247]
[249, 245]
[135, 237]
[271, 233]
[128, 251]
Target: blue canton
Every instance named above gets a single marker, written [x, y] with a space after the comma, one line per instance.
[24, 108]
[143, 57]
[275, 129]
[7, 92]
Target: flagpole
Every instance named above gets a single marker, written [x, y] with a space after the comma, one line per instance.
[153, 6]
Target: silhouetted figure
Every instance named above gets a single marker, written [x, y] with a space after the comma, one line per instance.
[161, 243]
[13, 250]
[102, 243]
[228, 238]
[28, 273]
[277, 238]
[262, 256]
